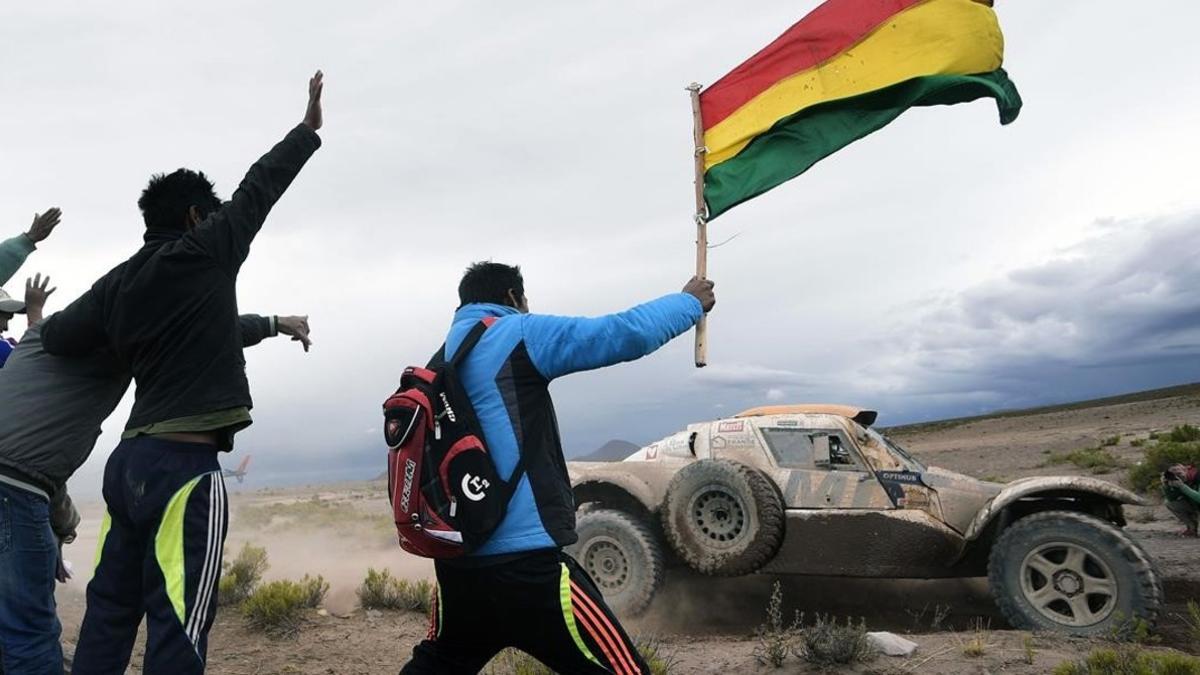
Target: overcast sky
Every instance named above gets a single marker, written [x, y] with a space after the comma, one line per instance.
[944, 266]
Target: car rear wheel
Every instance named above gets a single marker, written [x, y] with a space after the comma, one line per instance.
[723, 518]
[622, 556]
[1072, 573]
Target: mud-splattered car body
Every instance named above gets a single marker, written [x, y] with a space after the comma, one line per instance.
[865, 509]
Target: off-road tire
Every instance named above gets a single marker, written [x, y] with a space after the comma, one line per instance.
[622, 556]
[723, 518]
[1138, 588]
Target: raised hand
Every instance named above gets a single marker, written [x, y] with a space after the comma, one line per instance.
[43, 224]
[703, 290]
[295, 326]
[36, 293]
[312, 115]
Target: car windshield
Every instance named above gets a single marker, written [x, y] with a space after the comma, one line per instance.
[895, 448]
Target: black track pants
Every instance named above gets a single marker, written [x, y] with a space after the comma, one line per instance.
[544, 604]
[159, 555]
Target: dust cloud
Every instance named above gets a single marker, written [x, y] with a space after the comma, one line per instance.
[340, 547]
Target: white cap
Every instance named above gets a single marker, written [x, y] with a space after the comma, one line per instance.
[9, 304]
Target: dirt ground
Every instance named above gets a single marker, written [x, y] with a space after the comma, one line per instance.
[704, 625]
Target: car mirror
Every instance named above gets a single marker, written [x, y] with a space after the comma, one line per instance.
[821, 450]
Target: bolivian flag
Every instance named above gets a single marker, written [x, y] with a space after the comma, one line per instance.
[845, 70]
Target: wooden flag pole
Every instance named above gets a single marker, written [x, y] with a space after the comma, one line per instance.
[701, 220]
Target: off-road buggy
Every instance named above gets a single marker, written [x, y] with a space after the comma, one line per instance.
[815, 490]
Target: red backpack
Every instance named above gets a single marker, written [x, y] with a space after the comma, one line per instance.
[447, 496]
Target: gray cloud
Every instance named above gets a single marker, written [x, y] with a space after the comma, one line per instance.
[1116, 312]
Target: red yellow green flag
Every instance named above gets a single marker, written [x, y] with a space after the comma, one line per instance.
[844, 71]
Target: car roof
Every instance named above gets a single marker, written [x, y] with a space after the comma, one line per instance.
[861, 415]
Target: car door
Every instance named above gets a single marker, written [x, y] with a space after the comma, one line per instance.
[822, 470]
[841, 520]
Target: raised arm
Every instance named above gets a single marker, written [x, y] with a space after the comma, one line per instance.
[561, 345]
[227, 233]
[14, 251]
[256, 328]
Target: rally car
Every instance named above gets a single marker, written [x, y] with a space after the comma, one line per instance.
[816, 490]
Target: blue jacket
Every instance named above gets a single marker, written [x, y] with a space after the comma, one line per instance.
[507, 378]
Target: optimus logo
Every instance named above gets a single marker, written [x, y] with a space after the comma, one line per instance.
[449, 412]
[410, 469]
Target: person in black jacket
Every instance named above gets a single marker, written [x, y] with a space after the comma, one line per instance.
[170, 314]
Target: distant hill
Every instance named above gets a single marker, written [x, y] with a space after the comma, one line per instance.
[1133, 397]
[612, 451]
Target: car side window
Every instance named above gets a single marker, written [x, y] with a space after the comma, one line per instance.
[794, 448]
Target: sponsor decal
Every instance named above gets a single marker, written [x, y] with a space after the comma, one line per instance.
[731, 427]
[474, 487]
[717, 442]
[652, 451]
[788, 423]
[449, 411]
[410, 469]
[901, 477]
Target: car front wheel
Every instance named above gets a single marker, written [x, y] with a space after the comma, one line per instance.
[1072, 573]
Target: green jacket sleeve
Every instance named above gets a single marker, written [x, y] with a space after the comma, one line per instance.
[1188, 492]
[13, 253]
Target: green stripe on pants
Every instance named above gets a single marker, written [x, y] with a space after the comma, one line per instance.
[168, 547]
[564, 597]
[105, 524]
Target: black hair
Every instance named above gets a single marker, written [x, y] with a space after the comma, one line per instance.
[166, 200]
[487, 281]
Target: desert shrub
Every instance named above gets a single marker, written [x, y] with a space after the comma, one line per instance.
[1111, 441]
[380, 590]
[661, 661]
[977, 644]
[1184, 434]
[1172, 448]
[314, 590]
[827, 643]
[928, 618]
[1098, 460]
[276, 607]
[516, 662]
[1192, 621]
[1138, 442]
[775, 639]
[241, 575]
[1130, 630]
[1130, 660]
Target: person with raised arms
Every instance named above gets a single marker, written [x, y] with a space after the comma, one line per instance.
[170, 312]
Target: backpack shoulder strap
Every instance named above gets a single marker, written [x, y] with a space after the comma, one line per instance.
[464, 349]
[467, 345]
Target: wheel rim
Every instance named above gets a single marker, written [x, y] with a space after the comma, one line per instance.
[606, 561]
[719, 515]
[1068, 584]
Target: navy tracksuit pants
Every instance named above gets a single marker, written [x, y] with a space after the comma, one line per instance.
[159, 556]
